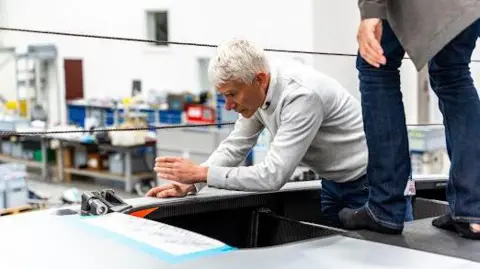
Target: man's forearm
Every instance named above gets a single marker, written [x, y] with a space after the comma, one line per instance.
[372, 9]
[234, 148]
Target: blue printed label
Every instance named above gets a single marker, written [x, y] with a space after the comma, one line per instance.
[169, 243]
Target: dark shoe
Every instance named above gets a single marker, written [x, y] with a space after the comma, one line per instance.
[356, 219]
[464, 230]
[445, 222]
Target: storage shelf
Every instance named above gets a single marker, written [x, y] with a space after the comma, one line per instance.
[52, 169]
[28, 163]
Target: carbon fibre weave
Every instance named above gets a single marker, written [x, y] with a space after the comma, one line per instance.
[428, 208]
[422, 235]
[242, 221]
[196, 206]
[277, 230]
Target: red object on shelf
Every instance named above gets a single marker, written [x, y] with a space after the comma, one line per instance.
[199, 114]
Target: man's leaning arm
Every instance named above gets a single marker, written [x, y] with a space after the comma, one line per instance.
[301, 118]
[233, 150]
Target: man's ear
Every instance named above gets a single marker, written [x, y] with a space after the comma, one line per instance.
[262, 79]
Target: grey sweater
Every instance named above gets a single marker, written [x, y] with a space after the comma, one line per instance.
[313, 120]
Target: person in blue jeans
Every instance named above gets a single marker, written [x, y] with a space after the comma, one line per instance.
[386, 133]
[335, 197]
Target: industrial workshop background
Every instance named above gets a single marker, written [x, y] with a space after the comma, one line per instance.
[52, 82]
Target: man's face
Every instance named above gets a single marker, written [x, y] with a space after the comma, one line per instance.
[245, 98]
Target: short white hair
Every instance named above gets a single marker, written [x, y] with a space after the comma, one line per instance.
[237, 60]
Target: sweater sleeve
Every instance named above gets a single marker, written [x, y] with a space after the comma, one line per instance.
[299, 124]
[372, 9]
[233, 150]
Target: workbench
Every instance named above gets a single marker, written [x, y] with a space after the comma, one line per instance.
[221, 229]
[128, 178]
[50, 170]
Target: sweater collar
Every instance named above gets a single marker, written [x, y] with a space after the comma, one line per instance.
[270, 101]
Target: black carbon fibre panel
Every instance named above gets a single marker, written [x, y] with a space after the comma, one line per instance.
[421, 235]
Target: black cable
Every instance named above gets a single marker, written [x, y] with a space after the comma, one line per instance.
[93, 130]
[157, 41]
[170, 42]
[39, 133]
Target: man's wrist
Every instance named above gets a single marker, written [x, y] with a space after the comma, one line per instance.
[202, 174]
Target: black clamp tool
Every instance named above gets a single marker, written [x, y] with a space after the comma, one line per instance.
[101, 203]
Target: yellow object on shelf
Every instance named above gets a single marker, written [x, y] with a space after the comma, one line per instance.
[127, 101]
[11, 105]
[20, 106]
[23, 108]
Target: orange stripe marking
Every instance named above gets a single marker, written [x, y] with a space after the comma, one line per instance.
[144, 212]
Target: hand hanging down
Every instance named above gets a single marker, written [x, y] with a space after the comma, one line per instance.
[369, 37]
[180, 170]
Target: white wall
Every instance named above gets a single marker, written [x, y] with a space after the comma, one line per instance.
[110, 66]
[7, 65]
[7, 71]
[335, 25]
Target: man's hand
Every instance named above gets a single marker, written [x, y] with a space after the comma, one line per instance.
[180, 170]
[170, 190]
[369, 38]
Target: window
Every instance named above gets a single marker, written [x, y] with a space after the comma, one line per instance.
[158, 27]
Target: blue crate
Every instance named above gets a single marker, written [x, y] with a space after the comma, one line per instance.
[150, 115]
[170, 116]
[110, 116]
[76, 115]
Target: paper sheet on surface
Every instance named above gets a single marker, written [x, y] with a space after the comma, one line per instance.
[167, 238]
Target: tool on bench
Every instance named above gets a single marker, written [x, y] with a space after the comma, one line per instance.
[101, 203]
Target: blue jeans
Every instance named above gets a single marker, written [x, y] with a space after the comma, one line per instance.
[389, 162]
[354, 194]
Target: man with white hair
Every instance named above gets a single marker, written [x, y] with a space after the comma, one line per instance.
[313, 120]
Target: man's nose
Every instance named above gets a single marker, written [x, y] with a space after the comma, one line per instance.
[230, 105]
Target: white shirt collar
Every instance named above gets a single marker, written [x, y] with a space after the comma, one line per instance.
[271, 87]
